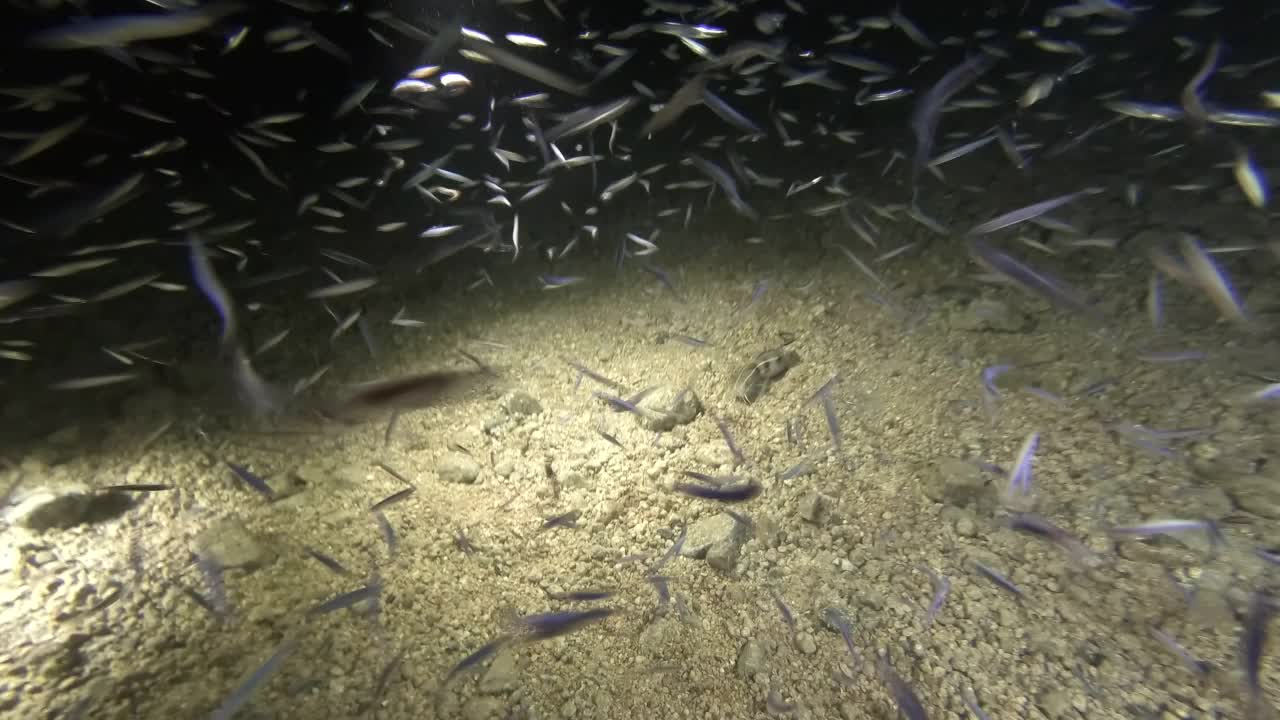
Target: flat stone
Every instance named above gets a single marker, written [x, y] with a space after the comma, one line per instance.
[961, 483]
[1255, 494]
[708, 531]
[667, 407]
[713, 454]
[50, 507]
[805, 643]
[990, 315]
[502, 675]
[521, 403]
[229, 544]
[718, 539]
[723, 556]
[814, 508]
[456, 467]
[751, 659]
[482, 708]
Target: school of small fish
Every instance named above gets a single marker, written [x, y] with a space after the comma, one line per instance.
[217, 155]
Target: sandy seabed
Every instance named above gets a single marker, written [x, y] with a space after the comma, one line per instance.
[99, 619]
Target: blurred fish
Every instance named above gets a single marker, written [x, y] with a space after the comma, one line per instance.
[590, 117]
[1171, 527]
[1197, 667]
[47, 140]
[740, 492]
[345, 600]
[549, 625]
[673, 551]
[941, 588]
[928, 109]
[1036, 525]
[392, 499]
[1020, 474]
[738, 457]
[96, 381]
[207, 280]
[689, 94]
[483, 653]
[1253, 642]
[1205, 273]
[240, 696]
[1000, 580]
[252, 480]
[1029, 212]
[136, 487]
[388, 534]
[410, 392]
[582, 595]
[120, 30]
[551, 282]
[327, 561]
[566, 519]
[350, 287]
[908, 703]
[1028, 278]
[15, 291]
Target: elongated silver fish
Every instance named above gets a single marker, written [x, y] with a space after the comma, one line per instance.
[120, 30]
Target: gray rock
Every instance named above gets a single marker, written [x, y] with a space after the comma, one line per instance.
[346, 475]
[660, 632]
[666, 407]
[1207, 502]
[991, 315]
[871, 598]
[466, 440]
[65, 660]
[1254, 490]
[815, 507]
[717, 539]
[960, 520]
[1055, 704]
[229, 544]
[482, 708]
[751, 659]
[456, 467]
[1255, 494]
[961, 483]
[318, 476]
[1211, 605]
[311, 473]
[50, 507]
[708, 531]
[502, 675]
[447, 703]
[724, 556]
[805, 643]
[1263, 298]
[713, 454]
[671, 441]
[521, 403]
